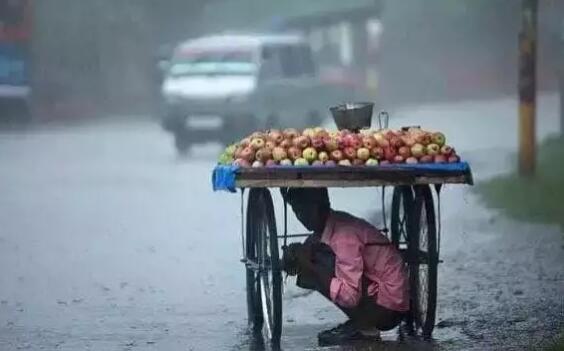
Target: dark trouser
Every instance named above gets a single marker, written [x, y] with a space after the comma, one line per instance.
[367, 314]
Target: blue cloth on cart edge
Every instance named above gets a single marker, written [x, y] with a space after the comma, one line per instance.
[224, 177]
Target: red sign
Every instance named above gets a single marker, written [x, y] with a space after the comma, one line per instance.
[15, 20]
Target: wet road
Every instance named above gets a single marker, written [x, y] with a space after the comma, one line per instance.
[109, 242]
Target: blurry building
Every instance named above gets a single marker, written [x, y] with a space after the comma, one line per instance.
[99, 57]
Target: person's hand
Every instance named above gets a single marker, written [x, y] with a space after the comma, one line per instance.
[303, 256]
[289, 261]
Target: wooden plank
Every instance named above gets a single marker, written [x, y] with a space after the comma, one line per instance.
[340, 183]
[348, 177]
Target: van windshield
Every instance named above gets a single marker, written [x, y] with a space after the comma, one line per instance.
[213, 63]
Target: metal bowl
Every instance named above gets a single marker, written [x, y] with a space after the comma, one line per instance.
[352, 115]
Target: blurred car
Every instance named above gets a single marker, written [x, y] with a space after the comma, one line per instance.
[222, 87]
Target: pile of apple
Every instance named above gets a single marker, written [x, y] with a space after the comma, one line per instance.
[321, 147]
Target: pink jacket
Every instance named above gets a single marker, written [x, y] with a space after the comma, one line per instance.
[381, 264]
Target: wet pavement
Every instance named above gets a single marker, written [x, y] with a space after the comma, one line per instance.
[108, 241]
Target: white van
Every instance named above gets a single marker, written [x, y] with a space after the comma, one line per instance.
[223, 87]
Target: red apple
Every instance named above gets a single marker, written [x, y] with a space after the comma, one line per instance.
[276, 136]
[356, 142]
[446, 150]
[270, 144]
[453, 159]
[330, 143]
[377, 153]
[294, 153]
[317, 142]
[302, 141]
[263, 155]
[352, 140]
[440, 159]
[408, 140]
[248, 154]
[279, 153]
[290, 133]
[396, 142]
[423, 138]
[337, 155]
[320, 132]
[433, 149]
[426, 159]
[368, 142]
[411, 160]
[350, 153]
[389, 134]
[384, 143]
[340, 142]
[286, 143]
[404, 151]
[237, 153]
[270, 163]
[399, 159]
[389, 154]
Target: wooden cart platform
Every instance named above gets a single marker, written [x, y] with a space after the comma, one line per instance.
[345, 177]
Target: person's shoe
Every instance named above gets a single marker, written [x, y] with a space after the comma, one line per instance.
[343, 334]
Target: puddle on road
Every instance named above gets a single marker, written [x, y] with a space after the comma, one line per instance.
[304, 337]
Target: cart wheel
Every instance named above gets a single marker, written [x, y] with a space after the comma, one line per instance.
[254, 305]
[424, 261]
[402, 204]
[267, 292]
[401, 219]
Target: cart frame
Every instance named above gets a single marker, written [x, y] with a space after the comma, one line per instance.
[414, 231]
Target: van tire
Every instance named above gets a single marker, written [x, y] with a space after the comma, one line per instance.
[182, 142]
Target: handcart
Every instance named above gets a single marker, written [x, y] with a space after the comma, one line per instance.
[414, 228]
